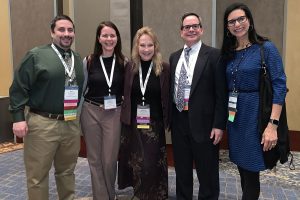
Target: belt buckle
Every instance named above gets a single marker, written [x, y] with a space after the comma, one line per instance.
[54, 116]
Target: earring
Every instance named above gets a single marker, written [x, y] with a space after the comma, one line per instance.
[228, 34]
[250, 28]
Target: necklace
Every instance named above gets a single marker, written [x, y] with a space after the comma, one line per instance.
[247, 45]
[244, 46]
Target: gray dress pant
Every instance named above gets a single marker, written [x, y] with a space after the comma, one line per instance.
[101, 129]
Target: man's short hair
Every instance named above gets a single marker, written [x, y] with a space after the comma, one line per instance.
[190, 14]
[60, 17]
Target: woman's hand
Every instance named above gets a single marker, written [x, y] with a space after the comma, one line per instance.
[269, 137]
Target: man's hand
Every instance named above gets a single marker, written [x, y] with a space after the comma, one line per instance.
[20, 129]
[217, 135]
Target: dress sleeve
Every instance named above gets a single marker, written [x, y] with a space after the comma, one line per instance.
[277, 74]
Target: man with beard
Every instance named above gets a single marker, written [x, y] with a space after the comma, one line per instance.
[49, 82]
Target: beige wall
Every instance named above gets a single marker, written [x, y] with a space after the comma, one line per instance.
[30, 25]
[5, 49]
[292, 61]
[164, 17]
[88, 15]
[120, 15]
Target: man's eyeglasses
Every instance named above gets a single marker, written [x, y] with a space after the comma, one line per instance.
[241, 20]
[193, 26]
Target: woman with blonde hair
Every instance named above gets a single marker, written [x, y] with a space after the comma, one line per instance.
[144, 117]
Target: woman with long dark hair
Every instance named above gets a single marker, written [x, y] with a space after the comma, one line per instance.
[100, 117]
[241, 51]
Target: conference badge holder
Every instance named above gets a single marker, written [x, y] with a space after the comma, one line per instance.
[187, 90]
[143, 116]
[110, 102]
[70, 102]
[232, 103]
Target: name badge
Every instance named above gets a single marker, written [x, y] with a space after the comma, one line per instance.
[70, 102]
[232, 105]
[187, 90]
[143, 116]
[110, 102]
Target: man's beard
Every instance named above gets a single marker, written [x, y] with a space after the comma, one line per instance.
[63, 45]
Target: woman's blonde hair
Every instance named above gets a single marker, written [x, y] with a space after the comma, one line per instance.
[157, 57]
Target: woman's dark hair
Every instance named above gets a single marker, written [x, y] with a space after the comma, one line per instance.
[118, 48]
[229, 41]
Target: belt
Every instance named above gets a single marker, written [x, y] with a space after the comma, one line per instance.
[48, 115]
[98, 104]
[245, 91]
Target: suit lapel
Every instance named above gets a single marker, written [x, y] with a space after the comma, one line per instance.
[175, 62]
[200, 64]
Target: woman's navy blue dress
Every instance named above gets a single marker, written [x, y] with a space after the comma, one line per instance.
[245, 149]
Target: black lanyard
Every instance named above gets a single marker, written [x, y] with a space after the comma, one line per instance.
[234, 70]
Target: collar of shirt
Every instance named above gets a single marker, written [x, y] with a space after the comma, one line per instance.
[193, 56]
[194, 49]
[62, 51]
[192, 62]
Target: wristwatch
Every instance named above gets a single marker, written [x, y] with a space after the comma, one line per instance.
[274, 122]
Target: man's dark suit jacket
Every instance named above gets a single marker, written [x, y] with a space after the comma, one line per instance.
[208, 96]
[164, 86]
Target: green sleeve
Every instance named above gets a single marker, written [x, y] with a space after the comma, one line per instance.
[24, 77]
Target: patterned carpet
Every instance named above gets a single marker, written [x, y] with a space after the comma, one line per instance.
[10, 146]
[281, 176]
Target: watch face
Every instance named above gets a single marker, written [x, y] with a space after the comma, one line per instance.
[274, 121]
